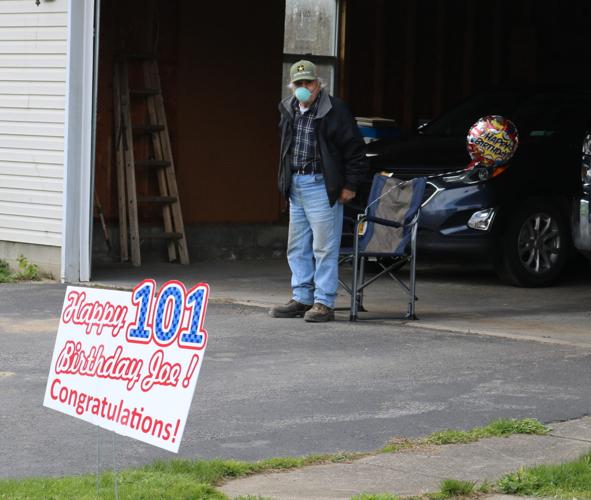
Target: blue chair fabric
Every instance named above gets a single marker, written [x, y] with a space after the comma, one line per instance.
[387, 228]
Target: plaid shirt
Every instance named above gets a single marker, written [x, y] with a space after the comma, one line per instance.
[304, 149]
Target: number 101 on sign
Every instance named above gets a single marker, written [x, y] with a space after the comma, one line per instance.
[175, 315]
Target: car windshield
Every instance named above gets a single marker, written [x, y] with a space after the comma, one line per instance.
[533, 114]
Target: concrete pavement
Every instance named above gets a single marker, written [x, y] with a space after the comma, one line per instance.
[420, 471]
[461, 298]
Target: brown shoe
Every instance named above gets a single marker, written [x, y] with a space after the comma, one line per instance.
[319, 314]
[293, 309]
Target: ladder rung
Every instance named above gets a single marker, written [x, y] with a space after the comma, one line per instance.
[162, 236]
[152, 163]
[143, 92]
[157, 199]
[147, 129]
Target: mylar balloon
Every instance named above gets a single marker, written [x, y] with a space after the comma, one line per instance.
[492, 140]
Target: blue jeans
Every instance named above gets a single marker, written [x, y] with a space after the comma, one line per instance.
[314, 239]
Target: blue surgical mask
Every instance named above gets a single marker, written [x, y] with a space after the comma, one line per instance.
[302, 94]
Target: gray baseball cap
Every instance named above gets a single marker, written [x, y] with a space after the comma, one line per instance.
[302, 70]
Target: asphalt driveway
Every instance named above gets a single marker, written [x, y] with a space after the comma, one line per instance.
[272, 387]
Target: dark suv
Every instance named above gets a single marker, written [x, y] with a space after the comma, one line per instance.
[518, 216]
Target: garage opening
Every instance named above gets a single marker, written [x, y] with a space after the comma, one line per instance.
[221, 81]
[222, 70]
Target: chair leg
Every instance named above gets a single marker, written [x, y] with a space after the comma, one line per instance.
[411, 303]
[354, 285]
[362, 262]
[353, 311]
[413, 274]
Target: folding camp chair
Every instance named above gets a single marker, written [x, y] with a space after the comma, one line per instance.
[387, 228]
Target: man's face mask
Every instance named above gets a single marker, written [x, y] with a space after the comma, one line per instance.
[302, 94]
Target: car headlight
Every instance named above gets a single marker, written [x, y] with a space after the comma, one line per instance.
[474, 175]
[482, 219]
[587, 145]
[586, 163]
[586, 172]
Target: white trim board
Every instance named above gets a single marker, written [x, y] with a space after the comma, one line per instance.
[78, 188]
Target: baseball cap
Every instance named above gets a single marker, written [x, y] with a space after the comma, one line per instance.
[302, 70]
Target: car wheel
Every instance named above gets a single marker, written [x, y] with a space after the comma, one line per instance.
[535, 246]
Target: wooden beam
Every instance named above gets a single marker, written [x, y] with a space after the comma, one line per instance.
[119, 154]
[468, 66]
[409, 67]
[379, 59]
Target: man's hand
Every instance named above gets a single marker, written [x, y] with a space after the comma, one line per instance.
[346, 196]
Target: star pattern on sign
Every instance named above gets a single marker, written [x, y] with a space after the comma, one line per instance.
[194, 337]
[142, 334]
[159, 322]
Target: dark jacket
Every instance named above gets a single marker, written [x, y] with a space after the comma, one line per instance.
[342, 150]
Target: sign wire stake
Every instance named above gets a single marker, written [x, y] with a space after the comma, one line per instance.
[115, 470]
[98, 460]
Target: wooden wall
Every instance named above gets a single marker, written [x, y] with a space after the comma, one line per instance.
[410, 60]
[220, 66]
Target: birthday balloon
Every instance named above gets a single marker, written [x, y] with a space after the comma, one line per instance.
[492, 140]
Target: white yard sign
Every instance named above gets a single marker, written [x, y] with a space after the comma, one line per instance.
[129, 361]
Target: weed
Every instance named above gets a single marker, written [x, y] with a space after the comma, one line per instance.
[520, 483]
[26, 271]
[486, 487]
[567, 480]
[398, 444]
[455, 488]
[497, 428]
[4, 271]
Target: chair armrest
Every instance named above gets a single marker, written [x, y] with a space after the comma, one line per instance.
[384, 222]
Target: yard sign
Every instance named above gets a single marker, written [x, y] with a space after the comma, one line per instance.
[129, 361]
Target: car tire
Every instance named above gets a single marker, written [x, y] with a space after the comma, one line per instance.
[535, 246]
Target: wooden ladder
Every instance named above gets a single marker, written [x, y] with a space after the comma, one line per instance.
[153, 135]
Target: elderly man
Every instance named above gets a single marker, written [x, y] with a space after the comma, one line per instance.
[322, 161]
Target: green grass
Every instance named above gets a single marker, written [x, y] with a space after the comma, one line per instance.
[399, 444]
[455, 488]
[568, 480]
[182, 479]
[131, 485]
[497, 428]
[197, 479]
[449, 488]
[215, 471]
[26, 271]
[4, 272]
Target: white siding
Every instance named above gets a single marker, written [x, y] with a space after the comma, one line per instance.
[32, 100]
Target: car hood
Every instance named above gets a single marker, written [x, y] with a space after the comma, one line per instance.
[419, 155]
